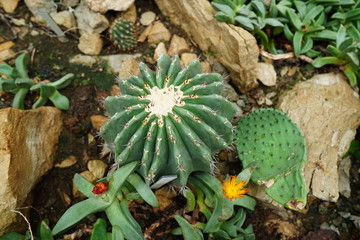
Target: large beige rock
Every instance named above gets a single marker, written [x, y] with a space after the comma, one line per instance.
[90, 43]
[234, 47]
[328, 112]
[104, 5]
[28, 142]
[89, 21]
[9, 5]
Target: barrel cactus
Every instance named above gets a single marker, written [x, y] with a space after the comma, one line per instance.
[122, 32]
[171, 120]
[275, 143]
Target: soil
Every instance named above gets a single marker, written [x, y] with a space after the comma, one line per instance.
[53, 194]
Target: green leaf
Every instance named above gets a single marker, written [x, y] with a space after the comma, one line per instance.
[340, 36]
[353, 32]
[324, 35]
[319, 62]
[24, 82]
[352, 15]
[287, 32]
[19, 98]
[119, 177]
[308, 44]
[44, 231]
[12, 236]
[246, 202]
[334, 51]
[223, 8]
[244, 22]
[260, 8]
[117, 234]
[297, 42]
[77, 212]
[245, 174]
[143, 189]
[83, 185]
[350, 74]
[62, 82]
[338, 15]
[353, 58]
[60, 101]
[187, 229]
[99, 231]
[20, 65]
[224, 18]
[295, 20]
[273, 22]
[347, 45]
[7, 70]
[312, 14]
[190, 200]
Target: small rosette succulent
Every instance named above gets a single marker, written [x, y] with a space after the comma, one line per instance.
[172, 120]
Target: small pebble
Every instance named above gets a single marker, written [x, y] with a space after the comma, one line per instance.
[147, 18]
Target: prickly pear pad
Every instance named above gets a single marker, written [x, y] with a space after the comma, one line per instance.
[275, 143]
[171, 120]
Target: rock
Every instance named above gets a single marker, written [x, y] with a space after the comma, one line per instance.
[229, 92]
[97, 168]
[27, 151]
[6, 45]
[114, 62]
[129, 14]
[344, 177]
[129, 67]
[206, 68]
[7, 54]
[165, 197]
[97, 121]
[65, 19]
[91, 139]
[159, 50]
[89, 21]
[9, 6]
[327, 111]
[155, 33]
[178, 45]
[66, 4]
[83, 60]
[90, 43]
[234, 47]
[88, 176]
[68, 162]
[186, 58]
[219, 68]
[115, 90]
[147, 18]
[266, 74]
[36, 6]
[103, 6]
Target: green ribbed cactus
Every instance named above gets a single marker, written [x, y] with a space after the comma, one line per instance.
[270, 139]
[171, 120]
[122, 33]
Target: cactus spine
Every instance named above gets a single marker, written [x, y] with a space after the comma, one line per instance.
[122, 33]
[270, 139]
[171, 120]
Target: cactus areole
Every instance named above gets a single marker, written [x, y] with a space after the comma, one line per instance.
[171, 120]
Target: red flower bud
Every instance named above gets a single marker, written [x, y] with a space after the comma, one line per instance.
[100, 188]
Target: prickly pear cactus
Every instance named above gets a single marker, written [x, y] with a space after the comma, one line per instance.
[171, 120]
[270, 139]
[122, 33]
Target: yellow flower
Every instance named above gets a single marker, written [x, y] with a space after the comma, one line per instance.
[232, 188]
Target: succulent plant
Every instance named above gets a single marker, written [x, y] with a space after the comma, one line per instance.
[222, 219]
[275, 143]
[122, 32]
[17, 80]
[171, 120]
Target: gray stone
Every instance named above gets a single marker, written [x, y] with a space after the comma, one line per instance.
[89, 21]
[115, 61]
[36, 6]
[327, 111]
[83, 60]
[27, 151]
[147, 18]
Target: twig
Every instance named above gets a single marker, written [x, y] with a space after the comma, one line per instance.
[27, 221]
[283, 56]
